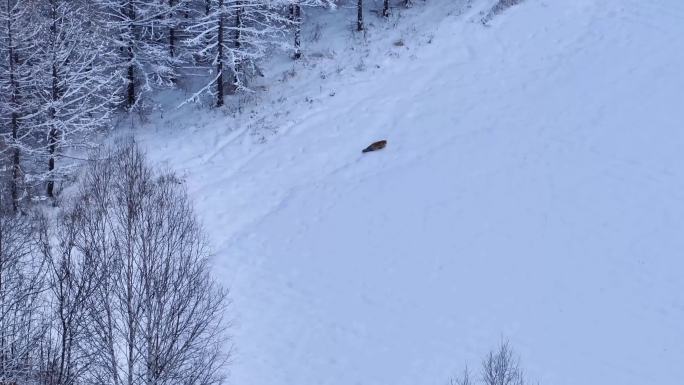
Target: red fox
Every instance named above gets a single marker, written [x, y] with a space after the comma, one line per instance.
[379, 145]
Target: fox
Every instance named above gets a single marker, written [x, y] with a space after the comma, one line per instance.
[379, 145]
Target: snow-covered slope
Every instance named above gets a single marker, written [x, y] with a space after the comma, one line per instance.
[532, 188]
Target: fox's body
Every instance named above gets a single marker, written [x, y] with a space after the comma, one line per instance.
[379, 145]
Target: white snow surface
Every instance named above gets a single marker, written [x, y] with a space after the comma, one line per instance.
[532, 189]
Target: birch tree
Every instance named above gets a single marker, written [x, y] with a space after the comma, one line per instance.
[73, 274]
[156, 313]
[21, 285]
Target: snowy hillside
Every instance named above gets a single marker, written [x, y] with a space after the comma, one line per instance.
[532, 188]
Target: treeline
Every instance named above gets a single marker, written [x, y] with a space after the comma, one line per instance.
[66, 66]
[114, 289]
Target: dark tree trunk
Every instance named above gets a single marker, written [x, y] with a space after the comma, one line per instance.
[172, 42]
[359, 17]
[55, 94]
[385, 8]
[51, 163]
[130, 76]
[237, 42]
[219, 60]
[296, 17]
[172, 31]
[52, 149]
[16, 169]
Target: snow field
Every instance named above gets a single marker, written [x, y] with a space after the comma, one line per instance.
[532, 188]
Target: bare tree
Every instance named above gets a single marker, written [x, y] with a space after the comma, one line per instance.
[73, 276]
[155, 315]
[21, 285]
[501, 367]
[465, 378]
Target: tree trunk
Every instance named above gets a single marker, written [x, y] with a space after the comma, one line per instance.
[131, 313]
[237, 43]
[52, 135]
[385, 8]
[238, 24]
[114, 370]
[130, 76]
[16, 169]
[172, 31]
[207, 39]
[359, 18]
[296, 17]
[219, 60]
[52, 147]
